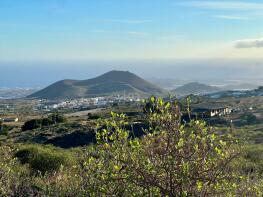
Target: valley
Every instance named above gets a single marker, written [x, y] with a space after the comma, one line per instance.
[64, 131]
[131, 98]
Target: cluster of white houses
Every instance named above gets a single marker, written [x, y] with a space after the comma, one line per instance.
[85, 102]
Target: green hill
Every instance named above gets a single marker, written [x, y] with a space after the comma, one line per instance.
[107, 84]
[195, 88]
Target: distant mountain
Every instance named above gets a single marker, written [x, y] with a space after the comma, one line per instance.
[168, 83]
[243, 86]
[14, 93]
[195, 88]
[107, 84]
[237, 93]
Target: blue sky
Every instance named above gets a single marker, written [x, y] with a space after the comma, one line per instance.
[37, 30]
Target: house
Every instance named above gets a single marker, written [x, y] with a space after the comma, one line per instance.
[210, 110]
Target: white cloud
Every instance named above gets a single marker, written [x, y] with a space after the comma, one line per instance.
[249, 43]
[231, 17]
[224, 5]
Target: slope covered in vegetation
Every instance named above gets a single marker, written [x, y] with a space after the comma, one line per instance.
[171, 159]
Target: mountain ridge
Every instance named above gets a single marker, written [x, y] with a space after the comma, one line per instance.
[195, 88]
[105, 84]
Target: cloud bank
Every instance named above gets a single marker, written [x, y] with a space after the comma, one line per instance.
[249, 43]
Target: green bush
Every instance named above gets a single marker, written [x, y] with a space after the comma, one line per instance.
[46, 122]
[32, 124]
[251, 160]
[6, 170]
[44, 158]
[172, 159]
[38, 123]
[93, 116]
[57, 118]
[248, 119]
[4, 129]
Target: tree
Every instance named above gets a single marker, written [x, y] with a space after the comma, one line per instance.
[57, 118]
[248, 119]
[38, 123]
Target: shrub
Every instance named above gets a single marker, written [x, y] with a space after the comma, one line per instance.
[38, 123]
[248, 119]
[4, 129]
[44, 158]
[32, 124]
[57, 118]
[47, 122]
[251, 160]
[6, 170]
[93, 117]
[172, 159]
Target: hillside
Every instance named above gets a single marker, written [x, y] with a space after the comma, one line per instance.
[106, 84]
[14, 93]
[237, 93]
[195, 88]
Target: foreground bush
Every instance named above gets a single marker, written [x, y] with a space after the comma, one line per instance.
[6, 170]
[251, 160]
[44, 158]
[173, 159]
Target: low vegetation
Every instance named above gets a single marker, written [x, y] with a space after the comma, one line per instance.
[4, 129]
[171, 159]
[43, 159]
[38, 123]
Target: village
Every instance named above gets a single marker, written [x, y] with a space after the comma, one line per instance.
[82, 103]
[231, 110]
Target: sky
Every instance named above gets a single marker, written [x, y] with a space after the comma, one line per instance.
[47, 30]
[42, 41]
